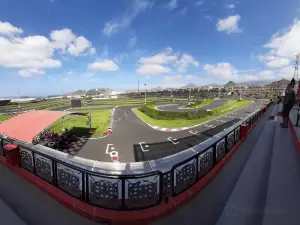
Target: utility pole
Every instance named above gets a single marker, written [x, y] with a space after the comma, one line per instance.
[62, 96]
[145, 94]
[19, 100]
[138, 85]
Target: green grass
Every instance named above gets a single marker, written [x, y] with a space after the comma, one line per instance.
[77, 124]
[37, 106]
[179, 123]
[230, 106]
[5, 117]
[171, 123]
[200, 103]
[110, 105]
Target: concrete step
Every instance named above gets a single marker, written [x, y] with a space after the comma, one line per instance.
[8, 216]
[248, 196]
[283, 196]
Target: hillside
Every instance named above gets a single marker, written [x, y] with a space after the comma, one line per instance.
[190, 85]
[98, 91]
[280, 82]
[230, 84]
[79, 92]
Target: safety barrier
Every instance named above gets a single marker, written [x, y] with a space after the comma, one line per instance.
[129, 186]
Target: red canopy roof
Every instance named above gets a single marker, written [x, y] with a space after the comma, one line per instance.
[26, 126]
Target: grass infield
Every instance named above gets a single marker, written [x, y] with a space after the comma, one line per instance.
[77, 124]
[5, 117]
[179, 123]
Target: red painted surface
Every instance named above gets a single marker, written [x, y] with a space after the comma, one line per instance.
[297, 142]
[135, 217]
[32, 124]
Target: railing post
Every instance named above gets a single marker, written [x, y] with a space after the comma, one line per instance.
[244, 130]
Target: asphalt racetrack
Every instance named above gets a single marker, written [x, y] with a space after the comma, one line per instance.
[179, 107]
[133, 141]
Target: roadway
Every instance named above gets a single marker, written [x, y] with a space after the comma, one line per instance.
[178, 107]
[133, 140]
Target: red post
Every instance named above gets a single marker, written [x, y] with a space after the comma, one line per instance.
[12, 154]
[244, 130]
[265, 109]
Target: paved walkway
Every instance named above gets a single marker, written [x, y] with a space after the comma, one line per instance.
[26, 204]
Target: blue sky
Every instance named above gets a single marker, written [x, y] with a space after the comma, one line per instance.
[50, 46]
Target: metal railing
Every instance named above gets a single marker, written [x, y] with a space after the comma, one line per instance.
[142, 188]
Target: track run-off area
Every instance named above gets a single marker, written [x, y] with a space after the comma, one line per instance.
[132, 140]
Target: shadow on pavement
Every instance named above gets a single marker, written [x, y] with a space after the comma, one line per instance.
[152, 151]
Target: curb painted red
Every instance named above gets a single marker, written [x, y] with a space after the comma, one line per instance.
[297, 142]
[136, 217]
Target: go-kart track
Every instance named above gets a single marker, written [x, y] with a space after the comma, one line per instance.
[180, 107]
[132, 140]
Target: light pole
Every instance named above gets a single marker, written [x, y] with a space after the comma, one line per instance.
[62, 96]
[145, 94]
[19, 99]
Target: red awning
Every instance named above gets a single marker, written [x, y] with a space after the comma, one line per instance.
[25, 127]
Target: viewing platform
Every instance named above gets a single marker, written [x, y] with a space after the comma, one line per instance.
[253, 178]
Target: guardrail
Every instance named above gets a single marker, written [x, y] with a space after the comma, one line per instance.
[129, 186]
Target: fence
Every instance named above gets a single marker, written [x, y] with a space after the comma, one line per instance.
[147, 186]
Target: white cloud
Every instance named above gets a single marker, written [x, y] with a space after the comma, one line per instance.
[172, 4]
[183, 11]
[283, 47]
[79, 46]
[66, 40]
[230, 6]
[266, 74]
[286, 72]
[161, 62]
[105, 65]
[92, 51]
[199, 3]
[208, 17]
[30, 72]
[278, 62]
[223, 70]
[115, 25]
[164, 57]
[229, 24]
[28, 52]
[272, 61]
[152, 69]
[62, 38]
[132, 42]
[8, 29]
[186, 61]
[179, 80]
[32, 54]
